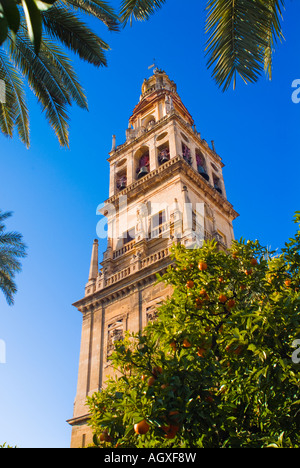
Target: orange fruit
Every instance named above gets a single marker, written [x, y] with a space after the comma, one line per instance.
[104, 437]
[231, 303]
[151, 381]
[173, 345]
[199, 303]
[190, 284]
[171, 431]
[223, 298]
[186, 344]
[201, 352]
[156, 370]
[202, 266]
[253, 261]
[142, 427]
[288, 283]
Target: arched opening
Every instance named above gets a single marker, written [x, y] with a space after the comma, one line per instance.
[148, 122]
[217, 184]
[142, 157]
[186, 154]
[121, 180]
[201, 165]
[163, 153]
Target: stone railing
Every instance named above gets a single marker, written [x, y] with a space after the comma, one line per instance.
[156, 257]
[139, 265]
[126, 248]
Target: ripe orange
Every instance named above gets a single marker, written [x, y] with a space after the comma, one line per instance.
[201, 352]
[186, 343]
[253, 261]
[104, 437]
[190, 284]
[171, 431]
[151, 381]
[230, 303]
[199, 303]
[223, 298]
[288, 283]
[173, 345]
[156, 370]
[142, 427]
[202, 266]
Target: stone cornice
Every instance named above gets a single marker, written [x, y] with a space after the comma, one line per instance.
[168, 170]
[123, 287]
[125, 147]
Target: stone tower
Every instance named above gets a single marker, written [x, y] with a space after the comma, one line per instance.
[166, 186]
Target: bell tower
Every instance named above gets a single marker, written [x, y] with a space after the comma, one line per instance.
[166, 186]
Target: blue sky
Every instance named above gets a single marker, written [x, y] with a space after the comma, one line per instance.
[54, 194]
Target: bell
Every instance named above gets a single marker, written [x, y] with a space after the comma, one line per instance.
[164, 158]
[142, 172]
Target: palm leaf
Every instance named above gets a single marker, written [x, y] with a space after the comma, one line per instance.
[12, 249]
[240, 38]
[44, 79]
[99, 9]
[139, 9]
[62, 24]
[62, 64]
[14, 111]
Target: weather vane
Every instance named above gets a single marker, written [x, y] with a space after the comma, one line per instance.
[154, 65]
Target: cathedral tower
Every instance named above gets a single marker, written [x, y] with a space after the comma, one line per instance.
[166, 185]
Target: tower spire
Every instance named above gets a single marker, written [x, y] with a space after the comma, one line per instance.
[94, 261]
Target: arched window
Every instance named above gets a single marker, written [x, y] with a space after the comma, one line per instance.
[148, 122]
[163, 153]
[217, 184]
[121, 180]
[143, 162]
[186, 153]
[201, 165]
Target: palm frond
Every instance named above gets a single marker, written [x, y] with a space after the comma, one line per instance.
[139, 10]
[240, 36]
[14, 111]
[12, 249]
[62, 24]
[44, 79]
[99, 9]
[61, 62]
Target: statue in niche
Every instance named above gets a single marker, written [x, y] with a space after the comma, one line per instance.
[169, 103]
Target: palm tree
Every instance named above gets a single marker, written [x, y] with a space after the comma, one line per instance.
[49, 73]
[241, 35]
[12, 249]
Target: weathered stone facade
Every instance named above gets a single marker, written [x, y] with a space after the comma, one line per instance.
[166, 186]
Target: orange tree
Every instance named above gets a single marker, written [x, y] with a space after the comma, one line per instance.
[218, 368]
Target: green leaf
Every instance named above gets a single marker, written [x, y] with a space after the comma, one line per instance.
[11, 13]
[34, 23]
[3, 29]
[44, 5]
